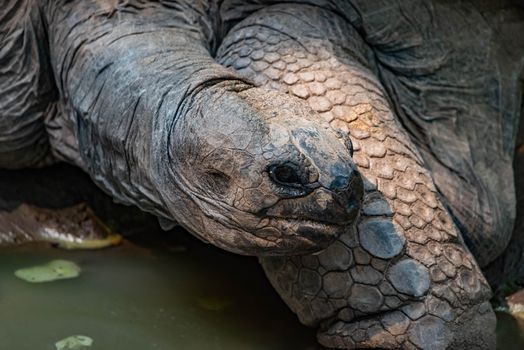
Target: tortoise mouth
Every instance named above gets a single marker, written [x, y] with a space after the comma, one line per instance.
[295, 220]
[296, 236]
[303, 227]
[322, 207]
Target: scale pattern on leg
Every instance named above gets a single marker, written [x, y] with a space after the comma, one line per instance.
[452, 71]
[404, 259]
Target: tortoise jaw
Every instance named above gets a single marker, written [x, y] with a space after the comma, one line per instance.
[305, 231]
[311, 223]
[298, 235]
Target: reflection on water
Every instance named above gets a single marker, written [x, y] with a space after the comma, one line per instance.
[140, 298]
[158, 295]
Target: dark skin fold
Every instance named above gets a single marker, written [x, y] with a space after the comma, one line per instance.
[335, 140]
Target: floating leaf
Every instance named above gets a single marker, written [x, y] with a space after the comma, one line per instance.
[52, 271]
[74, 342]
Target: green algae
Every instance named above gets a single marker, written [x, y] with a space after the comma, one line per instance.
[52, 271]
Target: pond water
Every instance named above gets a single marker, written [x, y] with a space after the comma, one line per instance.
[160, 293]
[155, 295]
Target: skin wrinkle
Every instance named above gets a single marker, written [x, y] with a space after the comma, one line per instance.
[26, 88]
[127, 137]
[95, 81]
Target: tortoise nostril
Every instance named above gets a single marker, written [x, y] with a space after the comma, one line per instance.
[285, 174]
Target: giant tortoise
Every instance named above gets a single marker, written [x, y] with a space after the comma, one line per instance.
[362, 149]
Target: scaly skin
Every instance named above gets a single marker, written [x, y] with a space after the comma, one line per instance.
[452, 72]
[402, 277]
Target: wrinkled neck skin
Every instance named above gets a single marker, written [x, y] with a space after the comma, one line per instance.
[125, 82]
[158, 123]
[126, 79]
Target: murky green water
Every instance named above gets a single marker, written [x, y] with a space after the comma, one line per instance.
[140, 298]
[157, 296]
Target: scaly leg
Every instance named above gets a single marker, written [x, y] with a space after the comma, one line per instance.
[402, 278]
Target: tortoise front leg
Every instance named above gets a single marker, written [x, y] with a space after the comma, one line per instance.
[402, 277]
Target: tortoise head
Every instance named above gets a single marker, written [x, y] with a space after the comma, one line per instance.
[262, 175]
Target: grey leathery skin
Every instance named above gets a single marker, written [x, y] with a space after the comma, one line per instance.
[342, 142]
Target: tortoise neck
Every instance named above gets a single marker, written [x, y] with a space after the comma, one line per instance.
[124, 82]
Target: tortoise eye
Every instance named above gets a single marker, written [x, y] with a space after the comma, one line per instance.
[284, 174]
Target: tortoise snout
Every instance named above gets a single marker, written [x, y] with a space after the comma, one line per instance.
[350, 196]
[300, 198]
